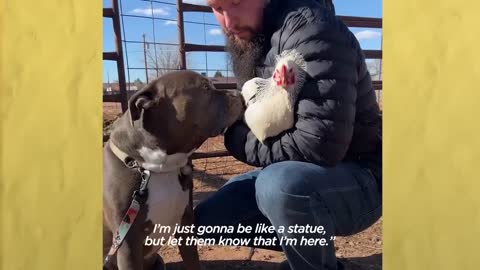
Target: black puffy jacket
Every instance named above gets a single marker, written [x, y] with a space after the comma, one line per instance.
[337, 115]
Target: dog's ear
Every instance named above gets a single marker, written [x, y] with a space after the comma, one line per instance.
[140, 101]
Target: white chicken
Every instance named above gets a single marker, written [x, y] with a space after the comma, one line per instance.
[270, 102]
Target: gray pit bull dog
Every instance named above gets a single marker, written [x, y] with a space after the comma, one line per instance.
[165, 122]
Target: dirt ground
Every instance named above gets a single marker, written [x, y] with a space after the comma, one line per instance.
[359, 252]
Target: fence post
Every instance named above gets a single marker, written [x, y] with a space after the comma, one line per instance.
[181, 35]
[120, 65]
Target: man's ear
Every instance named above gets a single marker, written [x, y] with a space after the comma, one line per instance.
[140, 101]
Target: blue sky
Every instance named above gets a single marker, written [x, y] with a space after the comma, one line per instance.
[164, 27]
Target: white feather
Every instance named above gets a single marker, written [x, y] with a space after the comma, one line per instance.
[251, 88]
[270, 108]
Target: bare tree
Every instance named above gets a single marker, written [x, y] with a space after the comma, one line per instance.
[375, 68]
[160, 59]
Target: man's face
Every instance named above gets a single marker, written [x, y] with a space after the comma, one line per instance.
[241, 20]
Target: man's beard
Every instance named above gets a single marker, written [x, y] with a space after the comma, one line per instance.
[245, 55]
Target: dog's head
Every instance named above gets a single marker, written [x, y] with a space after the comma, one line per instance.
[180, 110]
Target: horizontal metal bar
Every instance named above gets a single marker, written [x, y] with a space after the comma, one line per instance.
[350, 21]
[149, 42]
[137, 68]
[147, 17]
[373, 54]
[112, 98]
[165, 19]
[113, 56]
[210, 24]
[108, 12]
[370, 54]
[160, 2]
[367, 22]
[225, 85]
[203, 48]
[195, 8]
[194, 69]
[377, 85]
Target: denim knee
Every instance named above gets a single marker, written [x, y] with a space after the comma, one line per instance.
[201, 214]
[277, 184]
[232, 202]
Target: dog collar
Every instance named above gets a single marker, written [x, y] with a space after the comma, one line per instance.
[139, 197]
[155, 160]
[120, 154]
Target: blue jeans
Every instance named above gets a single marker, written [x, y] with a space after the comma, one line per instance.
[344, 200]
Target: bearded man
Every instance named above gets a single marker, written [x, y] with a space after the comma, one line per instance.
[327, 170]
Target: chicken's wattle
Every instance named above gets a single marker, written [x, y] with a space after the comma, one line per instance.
[284, 77]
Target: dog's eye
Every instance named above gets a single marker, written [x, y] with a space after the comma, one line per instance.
[205, 86]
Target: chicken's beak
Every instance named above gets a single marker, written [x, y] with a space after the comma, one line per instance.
[284, 77]
[280, 77]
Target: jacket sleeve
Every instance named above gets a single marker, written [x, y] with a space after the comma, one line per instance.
[325, 111]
